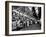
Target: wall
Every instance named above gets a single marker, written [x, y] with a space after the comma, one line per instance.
[2, 18]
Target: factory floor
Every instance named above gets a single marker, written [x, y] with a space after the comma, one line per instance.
[33, 27]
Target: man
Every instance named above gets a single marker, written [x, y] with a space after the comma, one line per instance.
[14, 25]
[27, 22]
[36, 12]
